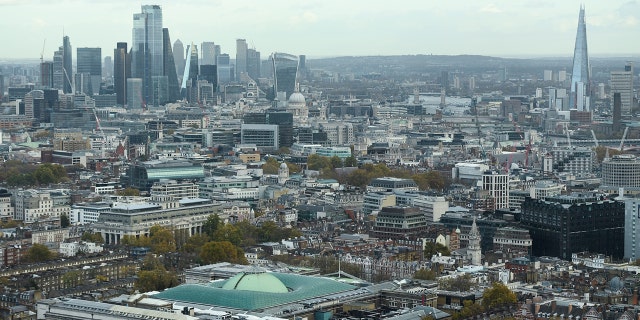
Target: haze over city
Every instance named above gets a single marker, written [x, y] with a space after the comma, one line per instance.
[332, 28]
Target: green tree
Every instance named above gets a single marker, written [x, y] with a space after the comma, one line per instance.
[195, 243]
[350, 161]
[153, 276]
[72, 279]
[293, 168]
[92, 237]
[228, 232]
[162, 240]
[271, 166]
[359, 178]
[39, 253]
[317, 162]
[336, 162]
[469, 310]
[433, 248]
[424, 274]
[499, 295]
[222, 251]
[64, 221]
[129, 192]
[461, 283]
[211, 225]
[429, 180]
[44, 175]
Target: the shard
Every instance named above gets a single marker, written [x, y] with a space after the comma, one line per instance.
[580, 74]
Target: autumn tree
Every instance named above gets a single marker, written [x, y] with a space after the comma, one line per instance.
[195, 243]
[222, 251]
[424, 274]
[162, 240]
[271, 166]
[469, 309]
[429, 180]
[92, 237]
[129, 192]
[39, 253]
[461, 283]
[498, 296]
[228, 232]
[154, 277]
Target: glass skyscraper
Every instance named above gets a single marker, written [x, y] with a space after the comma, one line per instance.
[285, 73]
[121, 72]
[67, 64]
[580, 74]
[170, 68]
[147, 49]
[89, 62]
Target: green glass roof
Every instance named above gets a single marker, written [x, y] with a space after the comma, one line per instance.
[249, 291]
[262, 282]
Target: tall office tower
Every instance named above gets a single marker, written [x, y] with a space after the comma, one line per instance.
[622, 82]
[217, 51]
[58, 69]
[208, 56]
[67, 64]
[89, 61]
[178, 57]
[209, 72]
[302, 67]
[498, 186]
[29, 102]
[190, 76]
[580, 74]
[194, 66]
[1, 87]
[224, 69]
[285, 73]
[170, 67]
[121, 72]
[617, 111]
[134, 93]
[253, 64]
[147, 50]
[444, 80]
[284, 120]
[82, 83]
[547, 75]
[472, 84]
[107, 67]
[562, 75]
[46, 74]
[241, 57]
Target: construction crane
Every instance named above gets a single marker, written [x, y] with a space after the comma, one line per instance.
[624, 136]
[595, 140]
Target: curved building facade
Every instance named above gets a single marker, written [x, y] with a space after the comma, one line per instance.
[621, 171]
[285, 73]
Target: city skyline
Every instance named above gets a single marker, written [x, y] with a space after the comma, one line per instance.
[317, 29]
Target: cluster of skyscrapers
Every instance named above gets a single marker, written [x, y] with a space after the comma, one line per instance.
[153, 71]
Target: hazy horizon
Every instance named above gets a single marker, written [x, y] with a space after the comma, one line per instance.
[331, 28]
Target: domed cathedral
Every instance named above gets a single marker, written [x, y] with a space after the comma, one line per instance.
[297, 105]
[283, 174]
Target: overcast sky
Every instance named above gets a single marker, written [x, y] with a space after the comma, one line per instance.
[505, 28]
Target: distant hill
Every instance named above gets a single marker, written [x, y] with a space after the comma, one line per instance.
[436, 63]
